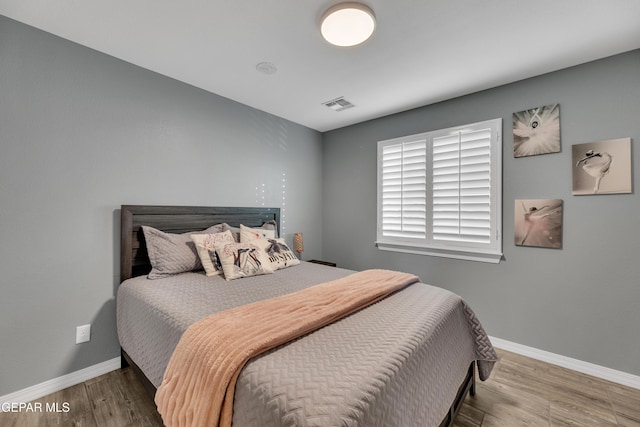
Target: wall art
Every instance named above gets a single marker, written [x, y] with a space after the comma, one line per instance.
[538, 222]
[536, 131]
[602, 167]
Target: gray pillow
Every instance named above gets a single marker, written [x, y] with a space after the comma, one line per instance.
[174, 253]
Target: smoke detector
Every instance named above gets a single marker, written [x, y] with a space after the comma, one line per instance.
[266, 68]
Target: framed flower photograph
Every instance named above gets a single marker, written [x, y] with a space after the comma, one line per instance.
[538, 222]
[536, 131]
[602, 167]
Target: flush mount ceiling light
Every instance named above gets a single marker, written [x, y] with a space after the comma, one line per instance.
[348, 24]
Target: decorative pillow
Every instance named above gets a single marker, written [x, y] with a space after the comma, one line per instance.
[173, 253]
[248, 234]
[278, 253]
[206, 247]
[242, 260]
[269, 225]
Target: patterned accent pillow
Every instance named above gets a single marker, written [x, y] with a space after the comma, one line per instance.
[248, 234]
[271, 225]
[278, 253]
[173, 253]
[206, 247]
[243, 260]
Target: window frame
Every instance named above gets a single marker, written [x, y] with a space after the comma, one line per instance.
[490, 252]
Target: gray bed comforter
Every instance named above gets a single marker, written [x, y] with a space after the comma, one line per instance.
[397, 363]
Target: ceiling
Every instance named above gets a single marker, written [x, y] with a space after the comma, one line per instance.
[423, 51]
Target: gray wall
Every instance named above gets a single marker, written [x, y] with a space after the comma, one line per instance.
[82, 133]
[581, 301]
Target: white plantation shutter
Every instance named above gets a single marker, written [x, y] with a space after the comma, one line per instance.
[462, 187]
[404, 192]
[439, 193]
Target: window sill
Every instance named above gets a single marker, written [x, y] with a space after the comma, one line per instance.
[464, 254]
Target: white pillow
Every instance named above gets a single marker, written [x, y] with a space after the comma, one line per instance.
[242, 260]
[206, 248]
[248, 234]
[278, 253]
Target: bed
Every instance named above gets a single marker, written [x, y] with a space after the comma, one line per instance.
[408, 360]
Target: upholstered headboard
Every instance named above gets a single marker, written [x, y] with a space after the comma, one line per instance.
[176, 219]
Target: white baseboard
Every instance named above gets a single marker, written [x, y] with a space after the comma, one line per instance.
[597, 371]
[39, 390]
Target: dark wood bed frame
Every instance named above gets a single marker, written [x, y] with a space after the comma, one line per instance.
[180, 219]
[176, 219]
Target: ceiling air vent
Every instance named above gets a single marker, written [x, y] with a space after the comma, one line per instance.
[338, 104]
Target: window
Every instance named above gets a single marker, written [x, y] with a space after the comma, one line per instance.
[440, 193]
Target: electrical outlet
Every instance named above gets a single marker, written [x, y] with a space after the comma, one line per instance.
[83, 333]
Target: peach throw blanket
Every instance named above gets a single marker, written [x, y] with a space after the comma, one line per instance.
[199, 382]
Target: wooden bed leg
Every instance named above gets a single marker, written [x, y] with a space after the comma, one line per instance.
[124, 363]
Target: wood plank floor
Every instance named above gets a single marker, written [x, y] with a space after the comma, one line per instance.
[527, 392]
[520, 392]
